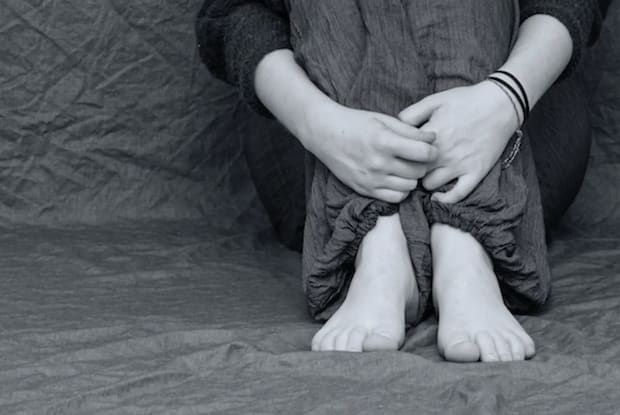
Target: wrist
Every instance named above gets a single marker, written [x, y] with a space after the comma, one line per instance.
[314, 123]
[284, 88]
[507, 110]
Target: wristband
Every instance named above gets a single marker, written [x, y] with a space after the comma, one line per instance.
[513, 91]
[520, 86]
[510, 98]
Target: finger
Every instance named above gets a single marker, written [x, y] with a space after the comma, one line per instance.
[412, 150]
[399, 184]
[409, 131]
[419, 112]
[406, 169]
[390, 196]
[463, 187]
[438, 177]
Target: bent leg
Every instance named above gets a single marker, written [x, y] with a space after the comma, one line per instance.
[353, 74]
[367, 321]
[489, 256]
[474, 322]
[559, 128]
[489, 261]
[275, 161]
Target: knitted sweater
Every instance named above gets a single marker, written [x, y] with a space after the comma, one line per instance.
[234, 35]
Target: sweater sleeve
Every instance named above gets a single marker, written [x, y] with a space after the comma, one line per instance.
[234, 35]
[582, 18]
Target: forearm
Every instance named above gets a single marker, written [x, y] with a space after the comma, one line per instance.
[543, 49]
[285, 90]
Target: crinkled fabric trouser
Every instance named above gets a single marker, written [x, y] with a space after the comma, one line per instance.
[383, 56]
[560, 138]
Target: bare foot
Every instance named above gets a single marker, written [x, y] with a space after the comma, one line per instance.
[474, 323]
[383, 290]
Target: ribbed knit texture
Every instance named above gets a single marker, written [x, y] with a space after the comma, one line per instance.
[582, 18]
[234, 35]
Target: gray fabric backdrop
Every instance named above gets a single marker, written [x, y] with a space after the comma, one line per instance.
[106, 114]
[158, 289]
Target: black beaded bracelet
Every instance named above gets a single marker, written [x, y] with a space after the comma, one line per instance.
[519, 85]
[513, 92]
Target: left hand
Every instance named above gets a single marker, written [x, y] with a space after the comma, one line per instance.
[473, 125]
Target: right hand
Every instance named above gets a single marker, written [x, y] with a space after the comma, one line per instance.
[376, 155]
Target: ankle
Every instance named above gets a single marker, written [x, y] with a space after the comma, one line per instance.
[386, 236]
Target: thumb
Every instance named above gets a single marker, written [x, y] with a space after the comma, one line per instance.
[462, 188]
[420, 112]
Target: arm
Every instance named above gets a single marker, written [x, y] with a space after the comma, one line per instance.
[581, 18]
[541, 54]
[374, 154]
[234, 35]
[246, 44]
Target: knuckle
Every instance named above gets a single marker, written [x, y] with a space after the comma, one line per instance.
[375, 163]
[427, 152]
[380, 141]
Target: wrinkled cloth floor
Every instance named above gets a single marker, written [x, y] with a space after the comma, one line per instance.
[186, 318]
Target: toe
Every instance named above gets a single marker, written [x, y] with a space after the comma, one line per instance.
[377, 341]
[503, 348]
[460, 348]
[488, 352]
[528, 343]
[356, 339]
[341, 340]
[530, 347]
[317, 340]
[329, 341]
[516, 346]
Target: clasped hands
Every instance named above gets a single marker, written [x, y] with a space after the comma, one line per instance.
[455, 135]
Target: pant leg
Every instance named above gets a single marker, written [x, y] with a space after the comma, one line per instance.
[430, 46]
[360, 53]
[504, 211]
[504, 214]
[560, 138]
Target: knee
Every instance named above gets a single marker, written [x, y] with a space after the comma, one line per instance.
[560, 134]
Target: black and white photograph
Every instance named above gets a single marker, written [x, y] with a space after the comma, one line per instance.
[312, 207]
